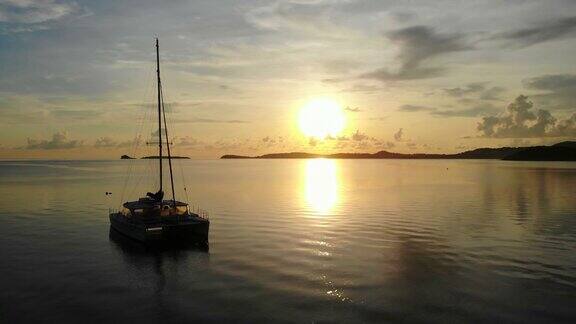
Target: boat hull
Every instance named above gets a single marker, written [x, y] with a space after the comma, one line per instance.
[193, 230]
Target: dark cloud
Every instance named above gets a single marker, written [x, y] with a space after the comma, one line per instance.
[477, 89]
[59, 141]
[492, 93]
[356, 137]
[521, 121]
[35, 11]
[398, 135]
[270, 141]
[355, 141]
[558, 91]
[415, 108]
[418, 44]
[548, 31]
[475, 111]
[351, 109]
[462, 91]
[551, 82]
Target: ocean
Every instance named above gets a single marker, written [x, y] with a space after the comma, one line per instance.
[350, 241]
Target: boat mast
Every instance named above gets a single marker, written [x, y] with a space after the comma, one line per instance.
[159, 112]
[168, 149]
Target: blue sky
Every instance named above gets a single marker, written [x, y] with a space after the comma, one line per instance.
[423, 76]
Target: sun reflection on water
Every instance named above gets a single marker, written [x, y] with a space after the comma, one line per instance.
[321, 184]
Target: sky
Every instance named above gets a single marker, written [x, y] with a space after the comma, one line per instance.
[77, 77]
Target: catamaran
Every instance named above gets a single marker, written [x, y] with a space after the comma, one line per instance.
[153, 218]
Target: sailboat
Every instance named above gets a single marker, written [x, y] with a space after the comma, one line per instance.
[153, 218]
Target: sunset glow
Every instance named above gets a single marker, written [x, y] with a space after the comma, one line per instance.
[321, 184]
[322, 117]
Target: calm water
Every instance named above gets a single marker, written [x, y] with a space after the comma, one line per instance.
[297, 241]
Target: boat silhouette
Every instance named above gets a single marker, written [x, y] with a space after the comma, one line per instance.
[152, 218]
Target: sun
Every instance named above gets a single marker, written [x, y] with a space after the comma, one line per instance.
[321, 118]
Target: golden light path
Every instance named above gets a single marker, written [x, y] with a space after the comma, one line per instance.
[321, 184]
[321, 117]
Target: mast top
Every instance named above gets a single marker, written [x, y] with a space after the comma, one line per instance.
[159, 92]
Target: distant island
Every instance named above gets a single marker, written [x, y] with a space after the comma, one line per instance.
[127, 157]
[563, 151]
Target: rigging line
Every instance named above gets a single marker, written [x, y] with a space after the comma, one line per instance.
[172, 124]
[138, 139]
[143, 116]
[149, 164]
[139, 179]
[135, 143]
[168, 148]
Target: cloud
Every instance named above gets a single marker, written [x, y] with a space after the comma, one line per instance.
[460, 92]
[308, 17]
[312, 141]
[340, 66]
[188, 141]
[478, 89]
[548, 31]
[105, 142]
[415, 108]
[35, 11]
[356, 87]
[492, 93]
[355, 141]
[559, 90]
[552, 82]
[475, 111]
[412, 145]
[59, 141]
[75, 114]
[359, 136]
[417, 45]
[108, 142]
[398, 135]
[521, 121]
[350, 109]
[211, 121]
